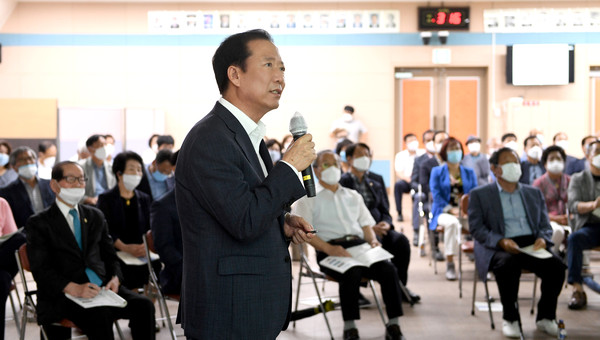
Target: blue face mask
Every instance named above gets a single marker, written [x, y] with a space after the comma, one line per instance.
[343, 155]
[454, 156]
[3, 159]
[159, 176]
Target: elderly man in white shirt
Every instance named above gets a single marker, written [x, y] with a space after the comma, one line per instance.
[403, 163]
[343, 220]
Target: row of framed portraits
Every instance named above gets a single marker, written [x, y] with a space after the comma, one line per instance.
[542, 20]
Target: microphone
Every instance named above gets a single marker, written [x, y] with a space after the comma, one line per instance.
[298, 129]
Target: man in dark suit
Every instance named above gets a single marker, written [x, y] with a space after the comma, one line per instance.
[414, 182]
[372, 188]
[532, 168]
[70, 251]
[504, 216]
[166, 232]
[28, 194]
[233, 203]
[578, 165]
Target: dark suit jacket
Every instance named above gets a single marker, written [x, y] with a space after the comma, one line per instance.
[56, 259]
[525, 166]
[380, 210]
[109, 203]
[20, 204]
[166, 233]
[574, 165]
[486, 221]
[425, 173]
[236, 265]
[414, 176]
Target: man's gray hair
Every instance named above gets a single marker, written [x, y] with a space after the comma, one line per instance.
[16, 152]
[321, 153]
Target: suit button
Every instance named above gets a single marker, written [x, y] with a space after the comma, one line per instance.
[287, 259]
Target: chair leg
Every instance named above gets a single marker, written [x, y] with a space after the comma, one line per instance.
[431, 234]
[405, 292]
[304, 262]
[14, 309]
[119, 331]
[489, 303]
[534, 291]
[378, 302]
[474, 292]
[298, 286]
[459, 270]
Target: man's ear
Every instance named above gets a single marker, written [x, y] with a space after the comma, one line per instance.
[54, 186]
[233, 73]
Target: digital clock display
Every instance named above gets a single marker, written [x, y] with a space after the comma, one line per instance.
[443, 18]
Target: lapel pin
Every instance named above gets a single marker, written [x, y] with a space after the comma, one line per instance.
[85, 220]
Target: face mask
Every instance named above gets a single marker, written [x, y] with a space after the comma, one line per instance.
[564, 144]
[491, 151]
[511, 172]
[346, 117]
[555, 167]
[131, 181]
[49, 162]
[454, 156]
[413, 146]
[343, 156]
[474, 147]
[596, 161]
[540, 138]
[110, 149]
[535, 152]
[438, 148]
[28, 171]
[100, 153]
[331, 175]
[159, 176]
[275, 155]
[362, 163]
[512, 145]
[155, 148]
[71, 196]
[3, 159]
[430, 147]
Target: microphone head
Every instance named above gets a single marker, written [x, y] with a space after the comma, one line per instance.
[298, 125]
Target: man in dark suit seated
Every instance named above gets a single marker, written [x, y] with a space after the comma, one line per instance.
[28, 194]
[343, 221]
[71, 252]
[580, 164]
[504, 216]
[372, 188]
[414, 183]
[166, 233]
[532, 168]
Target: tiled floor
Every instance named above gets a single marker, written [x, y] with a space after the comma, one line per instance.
[440, 315]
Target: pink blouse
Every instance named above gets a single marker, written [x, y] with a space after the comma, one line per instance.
[7, 221]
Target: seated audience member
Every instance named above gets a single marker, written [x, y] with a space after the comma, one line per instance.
[28, 194]
[150, 154]
[448, 182]
[403, 163]
[477, 161]
[7, 174]
[8, 264]
[506, 215]
[166, 232]
[127, 212]
[340, 150]
[82, 152]
[584, 201]
[414, 183]
[98, 173]
[274, 148]
[581, 164]
[70, 252]
[159, 174]
[509, 140]
[540, 136]
[425, 169]
[554, 185]
[561, 139]
[46, 159]
[372, 188]
[492, 145]
[110, 147]
[532, 168]
[165, 142]
[343, 220]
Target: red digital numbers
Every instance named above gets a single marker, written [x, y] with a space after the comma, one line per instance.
[441, 18]
[455, 18]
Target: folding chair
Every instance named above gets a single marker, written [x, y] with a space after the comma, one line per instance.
[467, 247]
[30, 306]
[155, 285]
[13, 306]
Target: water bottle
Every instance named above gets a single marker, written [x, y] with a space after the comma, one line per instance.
[562, 332]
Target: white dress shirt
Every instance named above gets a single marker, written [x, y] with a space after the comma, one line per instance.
[64, 209]
[404, 161]
[335, 214]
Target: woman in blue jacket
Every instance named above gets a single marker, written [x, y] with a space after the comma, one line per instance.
[448, 182]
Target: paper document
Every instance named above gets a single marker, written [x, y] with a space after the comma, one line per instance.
[135, 261]
[596, 212]
[106, 298]
[362, 255]
[540, 253]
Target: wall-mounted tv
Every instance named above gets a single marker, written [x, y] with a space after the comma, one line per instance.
[540, 64]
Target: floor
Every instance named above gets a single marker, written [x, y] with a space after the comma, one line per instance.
[441, 314]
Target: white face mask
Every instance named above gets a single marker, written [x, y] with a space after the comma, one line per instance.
[131, 181]
[413, 146]
[71, 196]
[49, 162]
[555, 167]
[564, 144]
[430, 146]
[511, 172]
[438, 148]
[474, 147]
[100, 153]
[540, 138]
[331, 175]
[596, 161]
[28, 171]
[346, 117]
[110, 149]
[512, 144]
[535, 152]
[4, 159]
[362, 163]
[154, 148]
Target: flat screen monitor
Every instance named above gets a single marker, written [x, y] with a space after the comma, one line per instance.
[540, 64]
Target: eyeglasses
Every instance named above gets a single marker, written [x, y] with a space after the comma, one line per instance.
[73, 179]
